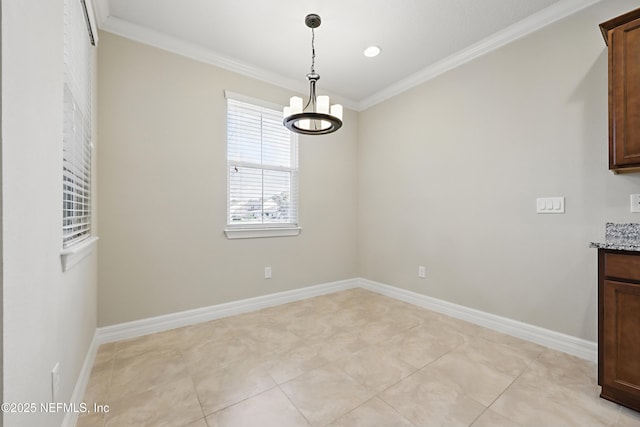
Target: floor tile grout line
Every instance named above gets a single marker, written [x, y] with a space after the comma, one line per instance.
[195, 389]
[394, 409]
[486, 408]
[242, 400]
[294, 405]
[350, 411]
[440, 357]
[507, 388]
[305, 338]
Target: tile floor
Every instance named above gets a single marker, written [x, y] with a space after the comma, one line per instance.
[348, 359]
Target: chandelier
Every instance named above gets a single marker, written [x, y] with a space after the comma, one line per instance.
[317, 117]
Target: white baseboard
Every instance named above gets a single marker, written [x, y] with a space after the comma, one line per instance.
[166, 322]
[576, 346]
[566, 343]
[71, 417]
[176, 320]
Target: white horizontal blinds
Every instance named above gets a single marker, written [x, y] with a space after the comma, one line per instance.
[76, 145]
[263, 175]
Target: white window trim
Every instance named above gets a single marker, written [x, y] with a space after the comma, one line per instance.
[255, 231]
[92, 22]
[250, 100]
[76, 253]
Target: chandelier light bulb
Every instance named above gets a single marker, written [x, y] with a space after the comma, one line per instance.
[318, 116]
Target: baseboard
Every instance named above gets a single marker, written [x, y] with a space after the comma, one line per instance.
[190, 317]
[71, 417]
[578, 347]
[166, 322]
[569, 344]
[566, 343]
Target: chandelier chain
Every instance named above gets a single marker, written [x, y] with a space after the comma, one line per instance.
[313, 51]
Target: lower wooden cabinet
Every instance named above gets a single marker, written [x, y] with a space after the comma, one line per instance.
[619, 326]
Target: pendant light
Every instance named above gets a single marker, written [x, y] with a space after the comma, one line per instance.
[317, 117]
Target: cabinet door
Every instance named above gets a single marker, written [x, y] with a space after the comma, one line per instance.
[621, 337]
[624, 97]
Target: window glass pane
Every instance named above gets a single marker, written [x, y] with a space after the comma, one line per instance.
[245, 195]
[277, 196]
[276, 149]
[244, 135]
[76, 144]
[262, 159]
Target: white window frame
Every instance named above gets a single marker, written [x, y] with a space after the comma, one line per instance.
[258, 230]
[80, 36]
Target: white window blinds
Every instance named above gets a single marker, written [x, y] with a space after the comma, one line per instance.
[76, 145]
[262, 167]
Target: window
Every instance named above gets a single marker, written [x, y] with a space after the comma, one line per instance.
[76, 145]
[262, 156]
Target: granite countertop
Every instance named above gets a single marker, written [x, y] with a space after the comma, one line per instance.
[621, 237]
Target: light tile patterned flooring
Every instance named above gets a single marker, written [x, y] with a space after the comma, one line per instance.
[348, 359]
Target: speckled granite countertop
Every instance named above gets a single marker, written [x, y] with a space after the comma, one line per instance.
[621, 237]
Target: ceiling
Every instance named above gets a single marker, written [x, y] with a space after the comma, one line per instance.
[268, 40]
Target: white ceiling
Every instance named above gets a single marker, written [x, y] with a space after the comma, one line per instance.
[268, 39]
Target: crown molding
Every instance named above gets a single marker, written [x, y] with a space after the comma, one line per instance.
[102, 11]
[196, 52]
[178, 46]
[533, 23]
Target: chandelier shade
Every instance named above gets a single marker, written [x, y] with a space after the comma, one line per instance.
[317, 116]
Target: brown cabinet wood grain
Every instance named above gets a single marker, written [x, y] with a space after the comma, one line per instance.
[622, 35]
[619, 326]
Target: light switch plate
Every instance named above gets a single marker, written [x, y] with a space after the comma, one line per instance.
[550, 205]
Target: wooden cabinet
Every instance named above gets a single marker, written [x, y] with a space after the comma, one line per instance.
[619, 326]
[622, 35]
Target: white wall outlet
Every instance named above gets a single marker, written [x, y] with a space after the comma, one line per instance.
[267, 272]
[55, 382]
[550, 205]
[635, 203]
[422, 272]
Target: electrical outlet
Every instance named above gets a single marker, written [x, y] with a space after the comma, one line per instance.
[635, 203]
[55, 382]
[267, 272]
[422, 272]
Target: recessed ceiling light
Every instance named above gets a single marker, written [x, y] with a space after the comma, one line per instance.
[372, 51]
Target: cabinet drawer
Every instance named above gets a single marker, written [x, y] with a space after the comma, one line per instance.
[622, 266]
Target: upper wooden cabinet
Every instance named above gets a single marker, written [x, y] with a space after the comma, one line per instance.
[622, 35]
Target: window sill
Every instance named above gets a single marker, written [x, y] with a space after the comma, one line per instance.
[73, 255]
[254, 233]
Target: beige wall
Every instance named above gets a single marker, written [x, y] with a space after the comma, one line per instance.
[450, 171]
[445, 175]
[162, 186]
[49, 316]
